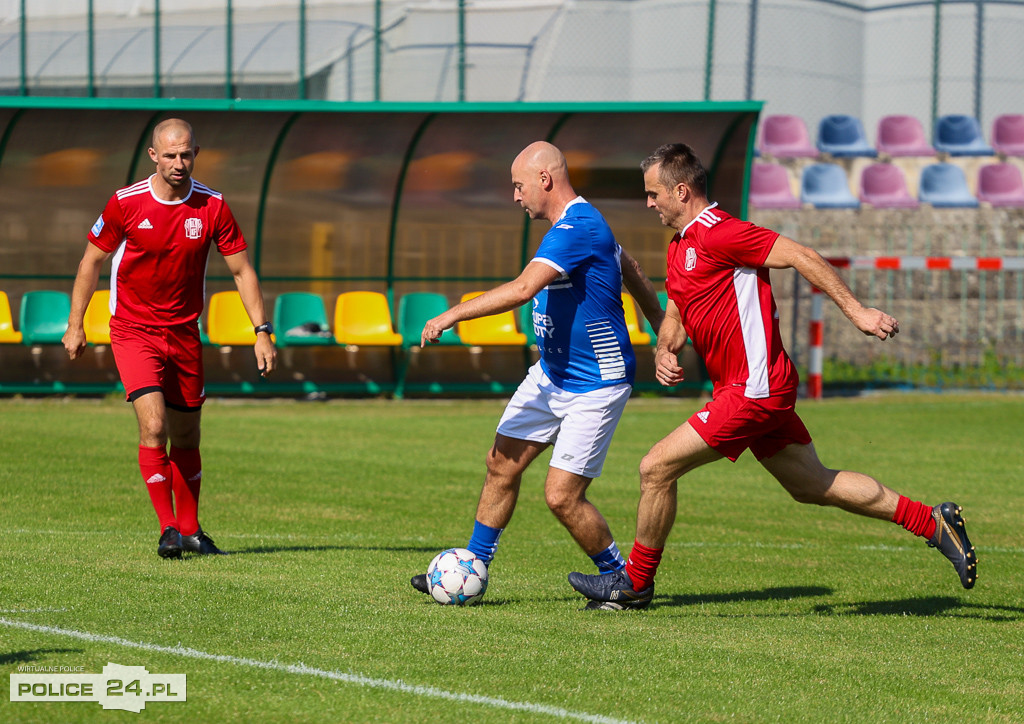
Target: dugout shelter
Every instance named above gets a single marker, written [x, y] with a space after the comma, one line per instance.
[342, 197]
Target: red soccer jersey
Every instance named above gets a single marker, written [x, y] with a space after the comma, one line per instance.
[161, 249]
[724, 295]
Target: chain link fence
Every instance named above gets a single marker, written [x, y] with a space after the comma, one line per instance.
[809, 58]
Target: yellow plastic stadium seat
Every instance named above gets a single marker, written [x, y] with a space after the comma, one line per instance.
[7, 333]
[495, 330]
[636, 336]
[364, 318]
[227, 321]
[97, 318]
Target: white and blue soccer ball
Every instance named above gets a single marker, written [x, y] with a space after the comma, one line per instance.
[457, 577]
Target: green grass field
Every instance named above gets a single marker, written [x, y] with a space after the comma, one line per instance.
[765, 610]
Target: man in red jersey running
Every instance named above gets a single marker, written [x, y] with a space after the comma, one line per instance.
[159, 231]
[720, 297]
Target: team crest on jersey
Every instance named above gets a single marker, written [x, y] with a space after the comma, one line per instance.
[193, 228]
[690, 261]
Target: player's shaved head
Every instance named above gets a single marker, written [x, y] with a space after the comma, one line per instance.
[543, 156]
[173, 131]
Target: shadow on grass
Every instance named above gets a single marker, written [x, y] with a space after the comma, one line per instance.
[782, 593]
[25, 657]
[940, 606]
[260, 550]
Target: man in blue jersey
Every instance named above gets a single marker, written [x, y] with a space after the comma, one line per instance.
[574, 396]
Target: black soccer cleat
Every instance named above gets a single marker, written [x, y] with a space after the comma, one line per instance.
[201, 543]
[419, 582]
[170, 543]
[951, 538]
[615, 589]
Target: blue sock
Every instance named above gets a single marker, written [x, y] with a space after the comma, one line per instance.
[609, 560]
[484, 542]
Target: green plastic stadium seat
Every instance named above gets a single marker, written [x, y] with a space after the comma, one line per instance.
[44, 316]
[300, 320]
[414, 310]
[7, 333]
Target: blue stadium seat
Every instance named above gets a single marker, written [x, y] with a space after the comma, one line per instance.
[945, 185]
[825, 186]
[843, 135]
[960, 135]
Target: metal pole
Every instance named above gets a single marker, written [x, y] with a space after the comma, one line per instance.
[979, 54]
[92, 50]
[23, 51]
[462, 50]
[936, 38]
[376, 50]
[302, 50]
[229, 61]
[156, 48]
[751, 49]
[709, 55]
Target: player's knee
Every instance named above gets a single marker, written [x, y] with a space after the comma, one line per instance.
[558, 502]
[654, 472]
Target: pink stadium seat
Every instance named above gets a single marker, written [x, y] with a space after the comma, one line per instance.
[770, 189]
[882, 185]
[785, 136]
[1001, 184]
[1008, 134]
[902, 136]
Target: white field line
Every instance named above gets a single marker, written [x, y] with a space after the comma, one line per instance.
[303, 670]
[358, 538]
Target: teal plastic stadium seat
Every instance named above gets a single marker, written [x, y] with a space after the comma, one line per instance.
[300, 320]
[414, 310]
[44, 316]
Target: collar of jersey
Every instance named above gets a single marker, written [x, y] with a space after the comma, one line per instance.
[577, 200]
[683, 232]
[191, 188]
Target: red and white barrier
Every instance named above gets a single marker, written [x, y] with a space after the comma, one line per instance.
[816, 331]
[817, 338]
[929, 263]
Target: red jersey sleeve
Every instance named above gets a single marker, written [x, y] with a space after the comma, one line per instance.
[229, 236]
[108, 231]
[742, 244]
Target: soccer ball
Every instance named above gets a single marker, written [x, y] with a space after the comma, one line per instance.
[457, 577]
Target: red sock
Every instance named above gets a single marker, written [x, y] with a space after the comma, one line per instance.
[187, 472]
[642, 565]
[915, 517]
[156, 472]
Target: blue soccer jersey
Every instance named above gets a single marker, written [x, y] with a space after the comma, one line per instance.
[578, 318]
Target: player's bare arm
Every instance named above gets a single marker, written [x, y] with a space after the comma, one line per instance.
[671, 340]
[786, 254]
[641, 289]
[252, 299]
[86, 280]
[510, 295]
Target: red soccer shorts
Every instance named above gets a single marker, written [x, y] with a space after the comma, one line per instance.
[164, 359]
[731, 423]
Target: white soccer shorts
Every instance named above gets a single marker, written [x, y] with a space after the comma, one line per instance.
[580, 424]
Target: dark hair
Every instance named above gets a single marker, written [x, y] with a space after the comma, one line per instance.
[679, 164]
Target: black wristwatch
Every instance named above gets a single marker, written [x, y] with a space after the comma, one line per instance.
[265, 327]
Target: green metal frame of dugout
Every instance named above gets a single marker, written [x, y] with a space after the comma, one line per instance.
[337, 197]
